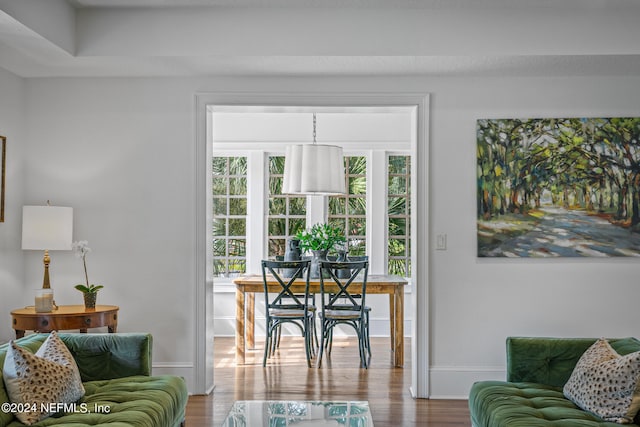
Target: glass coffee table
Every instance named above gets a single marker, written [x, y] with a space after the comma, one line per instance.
[276, 413]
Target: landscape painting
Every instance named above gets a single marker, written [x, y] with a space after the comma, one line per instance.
[3, 173]
[558, 187]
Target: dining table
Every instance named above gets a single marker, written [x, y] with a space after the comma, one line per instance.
[250, 284]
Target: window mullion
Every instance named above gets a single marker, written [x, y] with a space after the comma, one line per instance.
[377, 209]
[256, 195]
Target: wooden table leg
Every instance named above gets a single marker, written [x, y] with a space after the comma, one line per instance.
[19, 333]
[399, 326]
[240, 345]
[251, 318]
[392, 320]
[114, 325]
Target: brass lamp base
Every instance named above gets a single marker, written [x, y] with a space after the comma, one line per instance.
[47, 260]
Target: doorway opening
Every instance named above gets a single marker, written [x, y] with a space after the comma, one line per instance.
[242, 227]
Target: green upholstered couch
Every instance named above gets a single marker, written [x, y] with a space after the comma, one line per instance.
[116, 373]
[537, 369]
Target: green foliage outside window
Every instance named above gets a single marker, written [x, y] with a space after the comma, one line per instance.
[229, 215]
[349, 212]
[399, 215]
[286, 214]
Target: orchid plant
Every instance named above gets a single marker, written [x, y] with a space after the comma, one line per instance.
[81, 249]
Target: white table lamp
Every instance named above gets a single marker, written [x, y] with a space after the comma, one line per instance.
[47, 228]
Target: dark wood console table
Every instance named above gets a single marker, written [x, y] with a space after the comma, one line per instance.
[63, 318]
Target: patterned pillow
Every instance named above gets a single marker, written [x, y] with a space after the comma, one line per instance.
[37, 382]
[605, 383]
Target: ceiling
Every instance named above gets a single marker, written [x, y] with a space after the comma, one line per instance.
[288, 38]
[334, 3]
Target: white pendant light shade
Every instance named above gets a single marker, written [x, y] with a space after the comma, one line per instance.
[313, 169]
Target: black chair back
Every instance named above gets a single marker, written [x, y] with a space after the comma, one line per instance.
[351, 293]
[285, 297]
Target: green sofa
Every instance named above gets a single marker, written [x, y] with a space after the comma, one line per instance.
[116, 374]
[537, 369]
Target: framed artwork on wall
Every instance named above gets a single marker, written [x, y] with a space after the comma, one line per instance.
[558, 187]
[3, 167]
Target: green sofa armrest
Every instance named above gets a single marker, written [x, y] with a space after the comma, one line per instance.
[551, 360]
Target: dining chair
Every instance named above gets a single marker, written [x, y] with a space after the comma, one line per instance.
[312, 308]
[345, 306]
[285, 306]
[355, 258]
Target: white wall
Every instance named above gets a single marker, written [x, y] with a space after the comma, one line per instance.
[121, 152]
[477, 303]
[12, 113]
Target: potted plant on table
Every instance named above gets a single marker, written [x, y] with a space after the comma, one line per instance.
[318, 240]
[89, 291]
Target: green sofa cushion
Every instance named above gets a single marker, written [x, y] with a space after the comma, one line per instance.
[509, 404]
[115, 369]
[537, 369]
[138, 401]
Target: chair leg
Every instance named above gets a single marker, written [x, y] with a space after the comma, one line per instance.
[308, 341]
[267, 345]
[276, 339]
[274, 342]
[314, 330]
[368, 336]
[323, 338]
[363, 345]
[358, 329]
[330, 342]
[311, 331]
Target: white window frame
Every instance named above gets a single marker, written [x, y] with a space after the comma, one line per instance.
[410, 216]
[266, 201]
[367, 155]
[317, 207]
[228, 155]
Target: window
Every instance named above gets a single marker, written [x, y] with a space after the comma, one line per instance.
[229, 216]
[286, 215]
[399, 215]
[349, 212]
[252, 219]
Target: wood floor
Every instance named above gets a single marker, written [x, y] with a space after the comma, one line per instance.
[287, 377]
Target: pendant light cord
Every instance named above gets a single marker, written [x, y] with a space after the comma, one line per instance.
[314, 128]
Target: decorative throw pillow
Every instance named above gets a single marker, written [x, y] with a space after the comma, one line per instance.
[605, 383]
[38, 383]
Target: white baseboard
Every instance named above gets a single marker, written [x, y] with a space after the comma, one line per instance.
[184, 370]
[454, 382]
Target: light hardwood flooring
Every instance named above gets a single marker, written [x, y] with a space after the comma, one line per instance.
[286, 377]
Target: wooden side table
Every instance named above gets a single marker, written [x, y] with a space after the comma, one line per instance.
[63, 318]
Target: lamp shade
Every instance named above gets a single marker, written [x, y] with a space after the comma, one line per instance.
[313, 169]
[47, 227]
